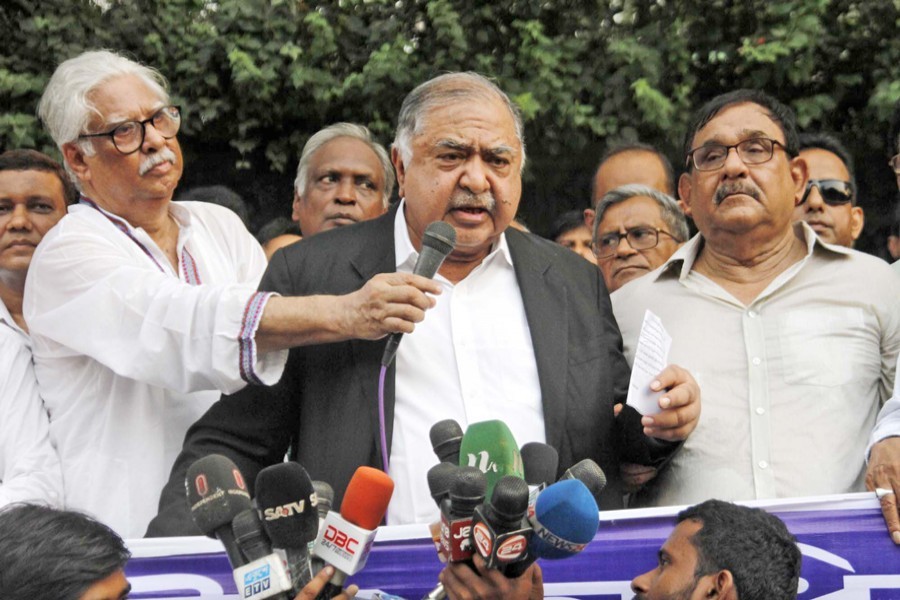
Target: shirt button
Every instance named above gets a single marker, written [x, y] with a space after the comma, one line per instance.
[756, 360]
[760, 411]
[752, 314]
[763, 464]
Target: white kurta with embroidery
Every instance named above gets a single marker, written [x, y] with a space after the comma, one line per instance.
[29, 466]
[129, 353]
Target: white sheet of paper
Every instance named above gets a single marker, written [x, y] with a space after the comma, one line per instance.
[650, 359]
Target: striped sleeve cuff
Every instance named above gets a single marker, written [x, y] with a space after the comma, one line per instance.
[247, 340]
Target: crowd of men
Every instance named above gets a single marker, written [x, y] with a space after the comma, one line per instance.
[149, 333]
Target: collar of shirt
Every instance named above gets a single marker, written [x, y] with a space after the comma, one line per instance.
[179, 214]
[406, 255]
[6, 320]
[687, 254]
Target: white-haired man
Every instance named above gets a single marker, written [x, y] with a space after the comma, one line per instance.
[142, 309]
[344, 177]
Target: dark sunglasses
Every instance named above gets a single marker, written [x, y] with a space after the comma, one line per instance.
[834, 191]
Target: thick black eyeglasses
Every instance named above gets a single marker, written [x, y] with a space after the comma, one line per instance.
[834, 191]
[639, 238]
[127, 137]
[754, 151]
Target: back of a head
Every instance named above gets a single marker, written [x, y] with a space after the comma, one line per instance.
[755, 546]
[50, 553]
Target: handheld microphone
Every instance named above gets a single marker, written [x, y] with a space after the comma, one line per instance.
[437, 242]
[216, 493]
[564, 520]
[446, 437]
[499, 530]
[590, 474]
[466, 491]
[347, 537]
[490, 447]
[539, 462]
[440, 477]
[325, 497]
[287, 501]
[265, 576]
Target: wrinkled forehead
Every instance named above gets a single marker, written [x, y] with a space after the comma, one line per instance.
[123, 97]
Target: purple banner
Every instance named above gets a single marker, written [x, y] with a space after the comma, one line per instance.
[847, 554]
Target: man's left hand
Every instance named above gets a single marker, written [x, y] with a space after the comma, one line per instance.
[884, 474]
[680, 405]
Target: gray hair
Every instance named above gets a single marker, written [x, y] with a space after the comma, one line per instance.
[441, 91]
[672, 214]
[66, 105]
[349, 130]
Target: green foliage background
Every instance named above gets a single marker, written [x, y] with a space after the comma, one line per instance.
[256, 78]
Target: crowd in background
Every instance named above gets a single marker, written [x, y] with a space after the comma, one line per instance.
[140, 334]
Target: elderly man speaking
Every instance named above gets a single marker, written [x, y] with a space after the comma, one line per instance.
[523, 330]
[142, 310]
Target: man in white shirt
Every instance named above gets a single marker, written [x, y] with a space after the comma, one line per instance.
[794, 342]
[523, 331]
[34, 192]
[142, 310]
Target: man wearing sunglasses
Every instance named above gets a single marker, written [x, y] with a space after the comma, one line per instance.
[795, 341]
[142, 310]
[829, 203]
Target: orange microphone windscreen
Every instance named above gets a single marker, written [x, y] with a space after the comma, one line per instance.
[367, 497]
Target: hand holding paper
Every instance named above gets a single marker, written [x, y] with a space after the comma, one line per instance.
[667, 396]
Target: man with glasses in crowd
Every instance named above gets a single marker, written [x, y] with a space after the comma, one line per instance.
[142, 309]
[794, 342]
[829, 203]
[636, 229]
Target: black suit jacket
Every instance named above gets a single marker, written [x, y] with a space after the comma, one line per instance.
[324, 409]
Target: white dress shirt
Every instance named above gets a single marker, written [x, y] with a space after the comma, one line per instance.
[791, 383]
[470, 360]
[29, 465]
[130, 352]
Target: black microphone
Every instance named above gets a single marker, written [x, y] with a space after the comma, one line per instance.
[265, 576]
[287, 501]
[590, 474]
[466, 491]
[540, 462]
[216, 494]
[437, 243]
[499, 529]
[325, 499]
[446, 439]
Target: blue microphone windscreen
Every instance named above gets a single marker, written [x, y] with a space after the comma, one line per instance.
[565, 520]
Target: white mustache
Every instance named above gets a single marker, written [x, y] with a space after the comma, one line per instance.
[466, 199]
[157, 158]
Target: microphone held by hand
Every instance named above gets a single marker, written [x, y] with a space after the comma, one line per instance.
[437, 242]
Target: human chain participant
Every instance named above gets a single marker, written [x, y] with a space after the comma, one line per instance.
[796, 341]
[143, 310]
[522, 331]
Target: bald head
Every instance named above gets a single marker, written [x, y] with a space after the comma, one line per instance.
[637, 165]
